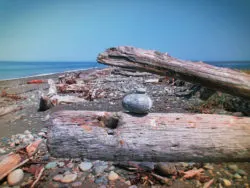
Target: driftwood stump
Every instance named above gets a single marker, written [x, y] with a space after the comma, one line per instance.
[153, 137]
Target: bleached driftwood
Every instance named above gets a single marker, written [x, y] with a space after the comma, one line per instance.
[153, 137]
[223, 79]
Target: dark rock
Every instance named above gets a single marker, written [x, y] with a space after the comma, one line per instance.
[45, 104]
[166, 169]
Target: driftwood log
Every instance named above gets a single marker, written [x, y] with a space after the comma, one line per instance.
[221, 79]
[153, 137]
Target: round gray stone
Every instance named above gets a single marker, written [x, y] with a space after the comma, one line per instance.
[137, 103]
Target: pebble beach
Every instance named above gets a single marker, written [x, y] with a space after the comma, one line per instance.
[105, 90]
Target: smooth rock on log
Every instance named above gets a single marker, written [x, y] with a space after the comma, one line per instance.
[138, 102]
[152, 137]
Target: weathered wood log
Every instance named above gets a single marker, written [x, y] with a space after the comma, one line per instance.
[153, 137]
[221, 79]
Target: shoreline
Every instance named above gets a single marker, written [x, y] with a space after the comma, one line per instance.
[50, 74]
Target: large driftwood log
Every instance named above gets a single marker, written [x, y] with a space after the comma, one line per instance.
[221, 79]
[153, 137]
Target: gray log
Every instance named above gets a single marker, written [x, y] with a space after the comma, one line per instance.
[221, 79]
[153, 137]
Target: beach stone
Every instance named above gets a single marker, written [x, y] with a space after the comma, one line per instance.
[69, 178]
[166, 169]
[51, 165]
[2, 151]
[99, 167]
[113, 176]
[27, 132]
[70, 165]
[77, 184]
[101, 180]
[85, 166]
[233, 167]
[242, 172]
[15, 177]
[60, 164]
[226, 182]
[237, 176]
[58, 177]
[208, 166]
[42, 134]
[138, 103]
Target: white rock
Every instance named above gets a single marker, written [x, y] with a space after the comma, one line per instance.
[15, 177]
[113, 176]
[69, 178]
[2, 151]
[27, 132]
[85, 166]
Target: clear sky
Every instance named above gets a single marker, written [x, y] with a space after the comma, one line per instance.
[77, 30]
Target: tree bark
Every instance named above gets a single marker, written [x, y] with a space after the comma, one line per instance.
[221, 79]
[152, 137]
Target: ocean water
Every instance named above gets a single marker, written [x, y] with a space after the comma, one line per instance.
[10, 70]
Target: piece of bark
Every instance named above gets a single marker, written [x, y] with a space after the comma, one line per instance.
[153, 137]
[223, 79]
[12, 161]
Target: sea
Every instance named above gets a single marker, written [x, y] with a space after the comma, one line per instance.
[13, 70]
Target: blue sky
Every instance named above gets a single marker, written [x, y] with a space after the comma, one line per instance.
[74, 30]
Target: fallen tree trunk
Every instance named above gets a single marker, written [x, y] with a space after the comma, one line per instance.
[221, 79]
[153, 137]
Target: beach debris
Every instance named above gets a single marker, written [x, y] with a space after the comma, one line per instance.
[9, 109]
[193, 173]
[38, 177]
[11, 161]
[12, 96]
[138, 102]
[36, 82]
[15, 177]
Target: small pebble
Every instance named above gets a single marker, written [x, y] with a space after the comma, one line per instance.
[226, 182]
[58, 177]
[208, 166]
[15, 177]
[69, 178]
[113, 176]
[101, 180]
[77, 184]
[237, 176]
[233, 167]
[51, 165]
[2, 151]
[27, 132]
[85, 166]
[242, 172]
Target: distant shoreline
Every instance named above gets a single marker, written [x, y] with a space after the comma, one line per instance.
[49, 74]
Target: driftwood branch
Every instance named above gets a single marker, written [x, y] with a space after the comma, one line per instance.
[221, 79]
[154, 137]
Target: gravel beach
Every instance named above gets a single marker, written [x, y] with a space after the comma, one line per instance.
[108, 87]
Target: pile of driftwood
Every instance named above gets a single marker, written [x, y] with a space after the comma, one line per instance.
[74, 83]
[155, 136]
